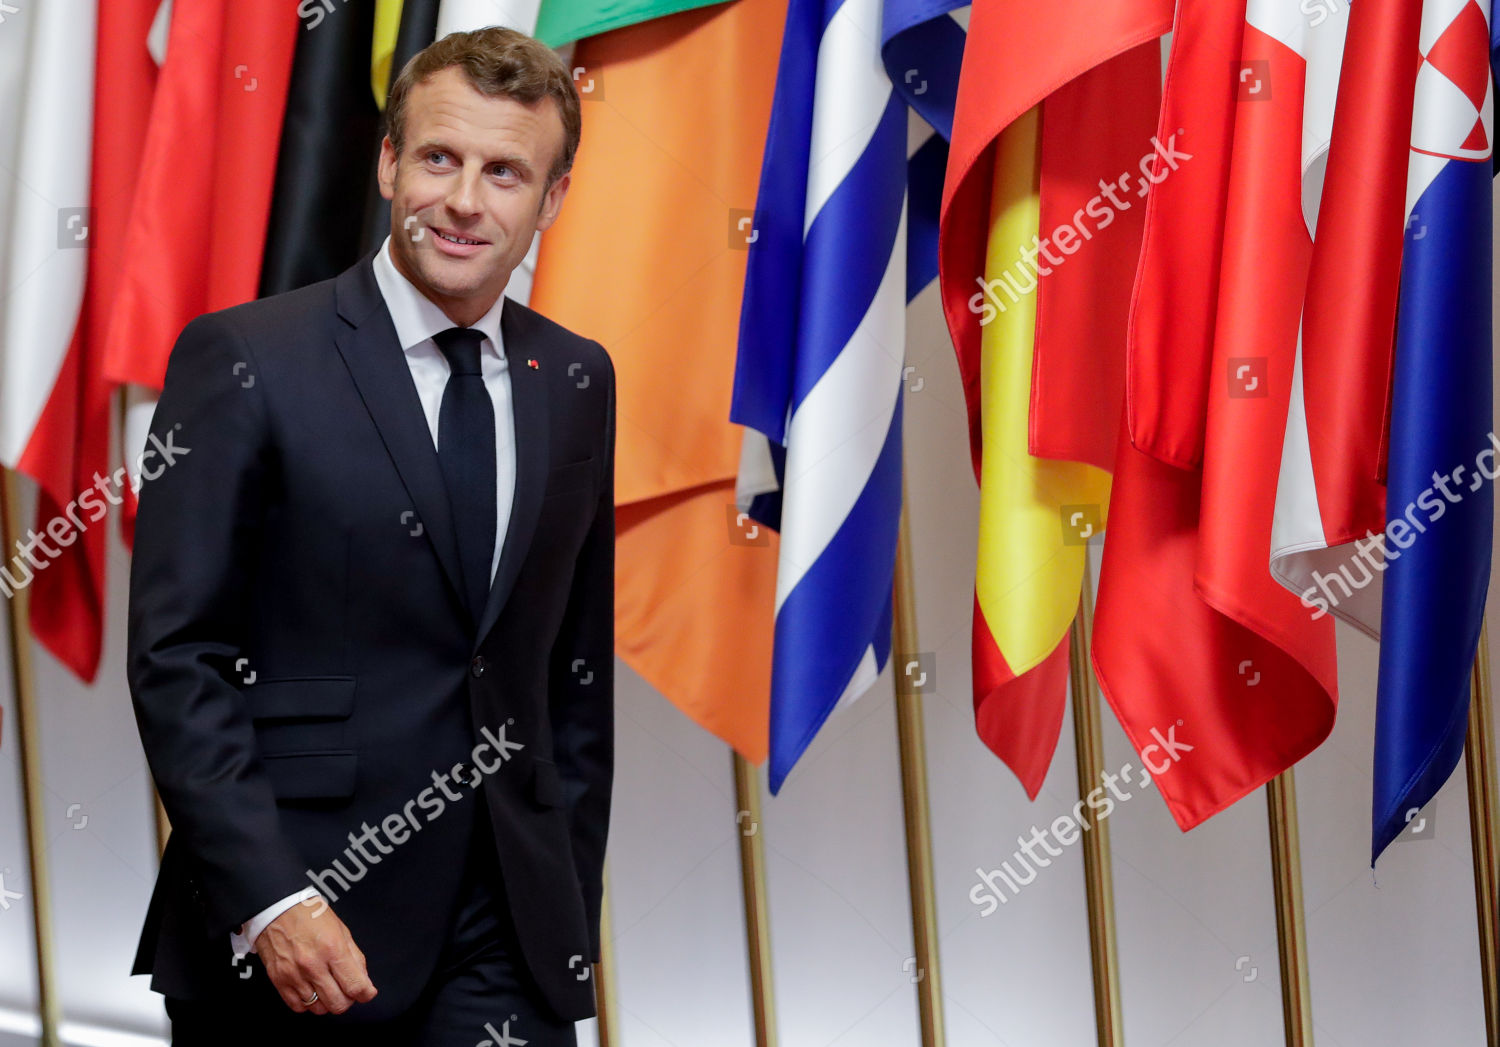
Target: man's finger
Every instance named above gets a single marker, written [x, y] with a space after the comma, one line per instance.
[295, 994]
[330, 996]
[353, 977]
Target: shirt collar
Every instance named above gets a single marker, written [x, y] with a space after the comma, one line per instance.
[417, 318]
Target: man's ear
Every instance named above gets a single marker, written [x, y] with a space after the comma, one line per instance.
[552, 201]
[386, 170]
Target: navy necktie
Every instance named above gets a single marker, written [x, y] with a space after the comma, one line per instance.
[466, 453]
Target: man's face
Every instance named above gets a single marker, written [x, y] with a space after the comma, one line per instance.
[469, 190]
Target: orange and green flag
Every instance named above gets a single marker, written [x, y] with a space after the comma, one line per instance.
[561, 22]
[648, 258]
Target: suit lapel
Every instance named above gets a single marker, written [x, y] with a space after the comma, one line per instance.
[528, 397]
[372, 353]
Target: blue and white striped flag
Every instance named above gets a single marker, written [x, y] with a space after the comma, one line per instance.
[819, 371]
[923, 49]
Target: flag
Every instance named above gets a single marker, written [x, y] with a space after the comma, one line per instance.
[648, 257]
[1172, 307]
[386, 26]
[54, 413]
[417, 27]
[459, 16]
[561, 22]
[1242, 671]
[821, 347]
[1442, 445]
[1332, 486]
[1044, 118]
[196, 232]
[1026, 581]
[923, 49]
[68, 604]
[330, 141]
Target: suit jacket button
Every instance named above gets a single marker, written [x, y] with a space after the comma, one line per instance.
[478, 666]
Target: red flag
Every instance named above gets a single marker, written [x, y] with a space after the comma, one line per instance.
[1332, 490]
[1017, 55]
[198, 221]
[1194, 641]
[67, 604]
[1172, 309]
[1096, 132]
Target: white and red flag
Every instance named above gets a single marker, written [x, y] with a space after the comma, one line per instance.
[1241, 672]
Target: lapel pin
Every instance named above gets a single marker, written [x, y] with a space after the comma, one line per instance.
[531, 363]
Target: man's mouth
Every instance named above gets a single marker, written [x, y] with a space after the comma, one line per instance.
[453, 238]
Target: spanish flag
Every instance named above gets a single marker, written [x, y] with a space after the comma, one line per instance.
[1036, 269]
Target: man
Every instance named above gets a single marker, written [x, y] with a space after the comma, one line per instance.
[371, 612]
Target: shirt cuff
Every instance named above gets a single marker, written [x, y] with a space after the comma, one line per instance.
[243, 940]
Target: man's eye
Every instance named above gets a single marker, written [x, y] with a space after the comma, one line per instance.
[436, 157]
[502, 170]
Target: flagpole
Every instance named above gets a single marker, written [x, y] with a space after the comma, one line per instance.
[753, 885]
[30, 748]
[913, 747]
[1480, 771]
[163, 823]
[1098, 869]
[604, 974]
[1291, 928]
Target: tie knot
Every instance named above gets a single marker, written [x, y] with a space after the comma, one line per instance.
[461, 346]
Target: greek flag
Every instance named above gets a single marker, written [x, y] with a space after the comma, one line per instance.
[923, 51]
[819, 370]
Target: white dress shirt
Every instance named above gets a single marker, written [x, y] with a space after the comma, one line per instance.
[417, 318]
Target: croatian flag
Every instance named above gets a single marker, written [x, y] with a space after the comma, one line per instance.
[822, 335]
[1442, 460]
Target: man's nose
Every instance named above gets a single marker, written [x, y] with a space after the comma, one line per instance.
[463, 198]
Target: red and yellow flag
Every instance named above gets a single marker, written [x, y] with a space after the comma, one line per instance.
[1035, 292]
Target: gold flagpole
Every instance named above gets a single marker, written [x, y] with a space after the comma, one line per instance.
[27, 729]
[1291, 929]
[1098, 870]
[163, 823]
[913, 749]
[753, 886]
[1480, 771]
[604, 974]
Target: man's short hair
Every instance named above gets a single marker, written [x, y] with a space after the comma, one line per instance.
[496, 61]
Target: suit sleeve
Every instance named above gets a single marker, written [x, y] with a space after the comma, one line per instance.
[581, 684]
[197, 537]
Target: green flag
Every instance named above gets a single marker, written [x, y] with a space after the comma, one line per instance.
[563, 21]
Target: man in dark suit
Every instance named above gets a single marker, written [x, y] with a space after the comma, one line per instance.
[371, 613]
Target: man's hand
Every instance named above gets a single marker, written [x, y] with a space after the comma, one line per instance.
[308, 949]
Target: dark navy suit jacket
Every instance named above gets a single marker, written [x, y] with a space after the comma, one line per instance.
[302, 663]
